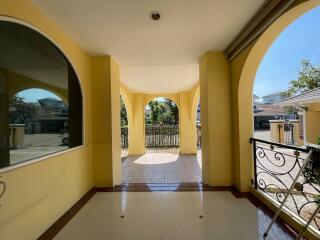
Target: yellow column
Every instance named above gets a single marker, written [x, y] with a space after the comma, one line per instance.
[216, 120]
[277, 131]
[136, 126]
[106, 122]
[312, 126]
[188, 130]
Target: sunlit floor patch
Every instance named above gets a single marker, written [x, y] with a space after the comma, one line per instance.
[161, 168]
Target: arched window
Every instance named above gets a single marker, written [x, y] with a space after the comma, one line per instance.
[40, 97]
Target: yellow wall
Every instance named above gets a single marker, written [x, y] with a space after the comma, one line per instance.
[39, 193]
[216, 119]
[312, 126]
[106, 122]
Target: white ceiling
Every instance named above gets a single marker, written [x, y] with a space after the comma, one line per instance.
[123, 29]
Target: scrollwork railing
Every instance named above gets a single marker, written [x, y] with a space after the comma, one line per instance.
[3, 188]
[276, 166]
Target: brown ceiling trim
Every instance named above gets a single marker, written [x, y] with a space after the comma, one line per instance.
[270, 11]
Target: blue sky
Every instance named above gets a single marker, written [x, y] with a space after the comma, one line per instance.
[300, 40]
[34, 94]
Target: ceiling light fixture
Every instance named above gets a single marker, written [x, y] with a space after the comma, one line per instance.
[155, 15]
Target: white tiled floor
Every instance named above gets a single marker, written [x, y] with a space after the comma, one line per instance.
[162, 167]
[164, 216]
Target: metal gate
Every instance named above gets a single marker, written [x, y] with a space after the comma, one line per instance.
[288, 133]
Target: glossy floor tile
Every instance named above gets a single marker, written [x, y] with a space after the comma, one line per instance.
[167, 216]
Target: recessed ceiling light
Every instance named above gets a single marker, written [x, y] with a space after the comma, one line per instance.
[155, 15]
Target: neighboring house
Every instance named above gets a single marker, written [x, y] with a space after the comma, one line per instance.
[255, 102]
[272, 98]
[264, 112]
[309, 105]
[51, 116]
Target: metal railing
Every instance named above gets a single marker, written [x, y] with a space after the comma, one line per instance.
[162, 136]
[159, 136]
[275, 169]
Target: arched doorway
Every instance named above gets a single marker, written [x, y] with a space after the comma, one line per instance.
[162, 161]
[245, 68]
[124, 123]
[264, 178]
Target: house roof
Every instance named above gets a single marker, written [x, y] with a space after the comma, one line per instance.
[272, 94]
[269, 110]
[311, 96]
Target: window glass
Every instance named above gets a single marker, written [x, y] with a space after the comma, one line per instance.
[40, 97]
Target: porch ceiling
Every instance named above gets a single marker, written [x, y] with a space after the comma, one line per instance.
[123, 29]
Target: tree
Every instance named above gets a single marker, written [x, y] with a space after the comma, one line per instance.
[23, 111]
[162, 111]
[308, 79]
[123, 113]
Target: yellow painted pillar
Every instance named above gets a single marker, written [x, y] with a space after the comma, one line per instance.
[136, 126]
[106, 122]
[312, 126]
[277, 131]
[188, 130]
[216, 126]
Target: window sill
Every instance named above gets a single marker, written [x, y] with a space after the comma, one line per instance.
[39, 159]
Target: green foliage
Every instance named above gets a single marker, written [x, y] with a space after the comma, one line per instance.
[162, 111]
[308, 79]
[318, 140]
[23, 111]
[123, 113]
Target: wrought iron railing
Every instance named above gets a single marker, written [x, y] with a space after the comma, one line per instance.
[3, 187]
[275, 167]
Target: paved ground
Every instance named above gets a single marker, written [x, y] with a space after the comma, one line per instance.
[37, 145]
[262, 134]
[162, 167]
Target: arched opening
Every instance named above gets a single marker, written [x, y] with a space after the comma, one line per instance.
[271, 167]
[198, 126]
[40, 97]
[162, 161]
[124, 129]
[162, 126]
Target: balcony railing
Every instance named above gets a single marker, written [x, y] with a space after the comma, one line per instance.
[275, 168]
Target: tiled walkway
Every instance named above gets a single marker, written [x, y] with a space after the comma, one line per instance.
[161, 167]
[169, 216]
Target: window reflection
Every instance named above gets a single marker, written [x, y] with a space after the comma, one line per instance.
[40, 97]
